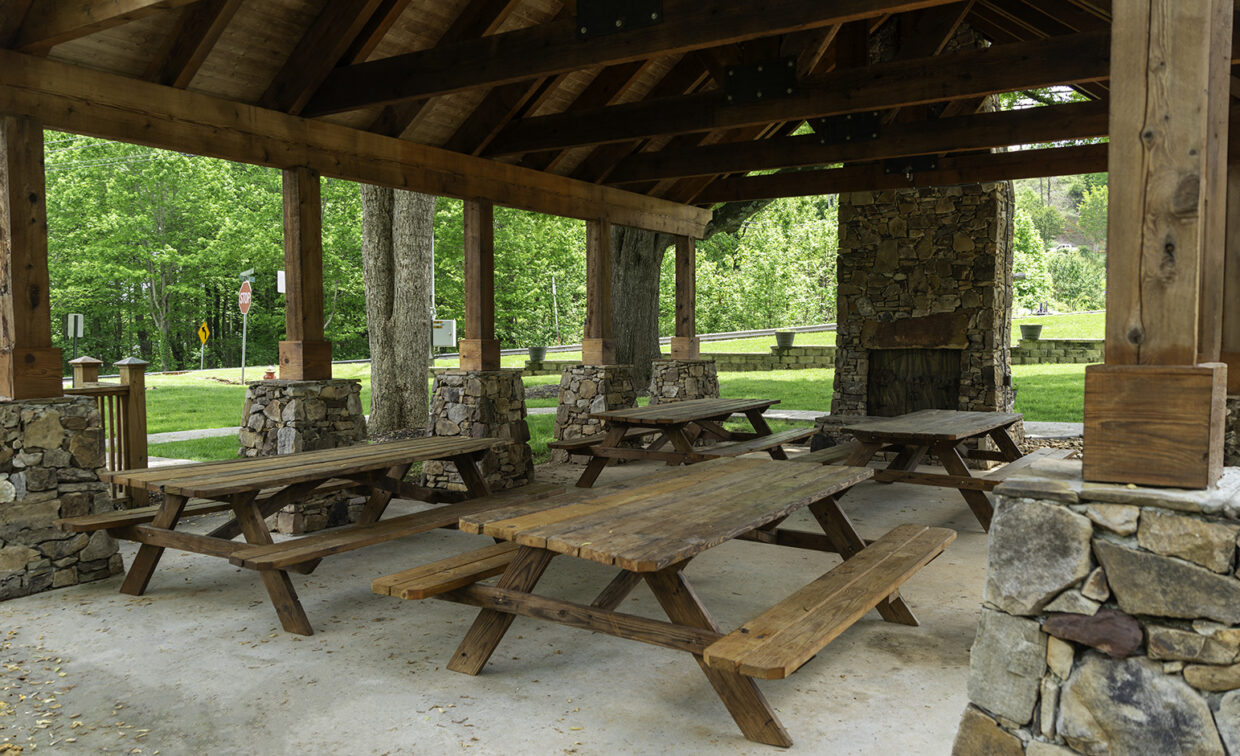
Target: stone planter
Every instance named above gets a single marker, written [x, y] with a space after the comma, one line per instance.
[1031, 332]
[783, 339]
[538, 354]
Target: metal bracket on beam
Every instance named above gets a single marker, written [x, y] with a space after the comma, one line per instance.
[910, 165]
[598, 18]
[851, 127]
[755, 82]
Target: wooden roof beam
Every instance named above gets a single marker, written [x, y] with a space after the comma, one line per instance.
[554, 48]
[1003, 68]
[52, 22]
[966, 169]
[82, 101]
[985, 130]
[12, 14]
[185, 49]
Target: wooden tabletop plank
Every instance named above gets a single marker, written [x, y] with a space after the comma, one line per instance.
[932, 425]
[211, 480]
[683, 412]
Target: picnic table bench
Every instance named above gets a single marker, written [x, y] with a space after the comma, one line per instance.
[255, 488]
[649, 529]
[679, 424]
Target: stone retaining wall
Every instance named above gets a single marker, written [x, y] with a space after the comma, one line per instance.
[284, 417]
[1110, 623]
[1058, 351]
[51, 451]
[792, 358]
[481, 404]
[585, 389]
[682, 380]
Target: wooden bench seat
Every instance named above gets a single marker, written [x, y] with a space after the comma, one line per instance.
[286, 554]
[781, 639]
[580, 445]
[760, 443]
[1037, 455]
[832, 455]
[123, 518]
[447, 574]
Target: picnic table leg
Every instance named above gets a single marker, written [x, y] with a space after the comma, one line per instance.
[475, 481]
[147, 559]
[977, 500]
[907, 460]
[489, 627]
[864, 452]
[739, 694]
[1011, 452]
[681, 442]
[617, 590]
[615, 434]
[377, 502]
[279, 587]
[844, 536]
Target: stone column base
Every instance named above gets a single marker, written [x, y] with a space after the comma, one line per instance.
[478, 404]
[1109, 622]
[284, 417]
[681, 380]
[585, 389]
[51, 451]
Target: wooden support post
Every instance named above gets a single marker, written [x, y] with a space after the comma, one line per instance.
[479, 348]
[85, 370]
[304, 355]
[133, 375]
[598, 347]
[685, 341]
[29, 367]
[1231, 282]
[1169, 95]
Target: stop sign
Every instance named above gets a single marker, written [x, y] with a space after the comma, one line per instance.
[243, 297]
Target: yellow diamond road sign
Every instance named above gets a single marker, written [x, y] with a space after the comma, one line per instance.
[204, 333]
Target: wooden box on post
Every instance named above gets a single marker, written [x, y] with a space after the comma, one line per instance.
[31, 373]
[1155, 425]
[479, 354]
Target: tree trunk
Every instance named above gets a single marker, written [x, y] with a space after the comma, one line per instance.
[397, 246]
[637, 258]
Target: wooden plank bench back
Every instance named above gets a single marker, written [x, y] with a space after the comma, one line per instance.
[123, 518]
[448, 574]
[777, 642]
[757, 444]
[286, 554]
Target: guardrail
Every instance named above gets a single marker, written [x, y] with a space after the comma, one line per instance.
[122, 410]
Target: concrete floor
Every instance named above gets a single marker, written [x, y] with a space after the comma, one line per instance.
[199, 664]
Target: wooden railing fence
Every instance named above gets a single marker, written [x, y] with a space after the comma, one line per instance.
[122, 408]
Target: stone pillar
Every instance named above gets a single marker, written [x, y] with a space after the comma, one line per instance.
[590, 388]
[680, 380]
[284, 417]
[1231, 441]
[51, 451]
[480, 404]
[1109, 620]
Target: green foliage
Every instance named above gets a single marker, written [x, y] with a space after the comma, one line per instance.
[1047, 219]
[1093, 220]
[1030, 259]
[1079, 279]
[1083, 184]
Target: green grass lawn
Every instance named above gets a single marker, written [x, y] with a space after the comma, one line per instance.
[1083, 325]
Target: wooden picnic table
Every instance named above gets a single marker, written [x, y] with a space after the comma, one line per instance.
[255, 488]
[942, 434]
[680, 424]
[649, 529]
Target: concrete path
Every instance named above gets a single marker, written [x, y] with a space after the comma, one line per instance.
[189, 435]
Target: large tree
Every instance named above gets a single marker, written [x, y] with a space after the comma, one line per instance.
[397, 250]
[637, 258]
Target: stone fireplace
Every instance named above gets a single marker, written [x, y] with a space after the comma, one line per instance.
[925, 283]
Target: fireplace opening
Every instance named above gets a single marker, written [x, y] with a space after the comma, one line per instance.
[907, 380]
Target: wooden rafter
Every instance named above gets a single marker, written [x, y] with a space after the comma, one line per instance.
[984, 130]
[52, 22]
[12, 14]
[1076, 58]
[195, 33]
[554, 48]
[94, 103]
